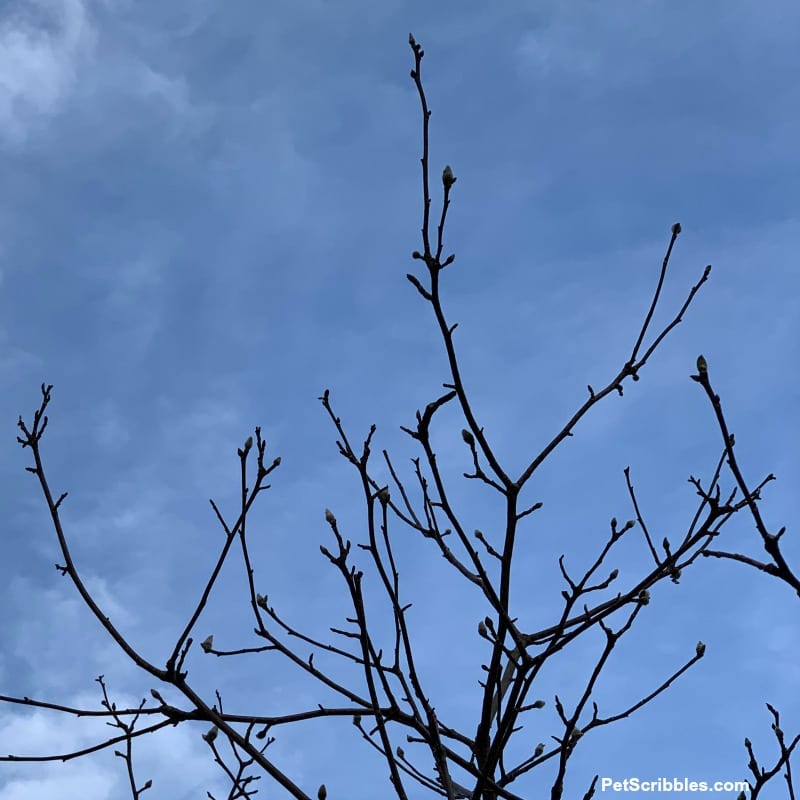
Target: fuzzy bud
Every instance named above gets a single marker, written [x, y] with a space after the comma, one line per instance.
[248, 444]
[644, 597]
[261, 601]
[211, 734]
[322, 792]
[448, 179]
[539, 749]
[676, 228]
[329, 518]
[613, 575]
[576, 734]
[482, 630]
[700, 649]
[629, 524]
[702, 365]
[383, 495]
[208, 643]
[539, 704]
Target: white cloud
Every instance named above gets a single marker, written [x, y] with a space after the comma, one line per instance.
[39, 66]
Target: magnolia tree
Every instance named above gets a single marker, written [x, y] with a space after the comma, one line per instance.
[389, 703]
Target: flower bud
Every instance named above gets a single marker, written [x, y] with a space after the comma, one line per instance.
[676, 228]
[539, 749]
[448, 179]
[329, 518]
[539, 704]
[261, 601]
[700, 649]
[467, 437]
[211, 734]
[702, 365]
[322, 792]
[208, 643]
[482, 630]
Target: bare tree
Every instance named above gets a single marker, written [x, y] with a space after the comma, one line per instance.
[390, 699]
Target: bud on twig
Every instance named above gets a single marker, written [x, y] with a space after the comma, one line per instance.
[467, 437]
[383, 495]
[644, 597]
[448, 179]
[322, 793]
[482, 630]
[700, 649]
[539, 704]
[208, 643]
[702, 366]
[676, 228]
[539, 749]
[211, 734]
[261, 601]
[329, 518]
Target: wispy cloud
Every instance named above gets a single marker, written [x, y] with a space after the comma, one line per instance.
[43, 50]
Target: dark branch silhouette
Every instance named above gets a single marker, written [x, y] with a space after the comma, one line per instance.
[390, 702]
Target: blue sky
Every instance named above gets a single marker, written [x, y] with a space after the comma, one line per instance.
[208, 213]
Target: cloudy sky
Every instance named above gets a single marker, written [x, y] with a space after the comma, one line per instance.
[207, 216]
